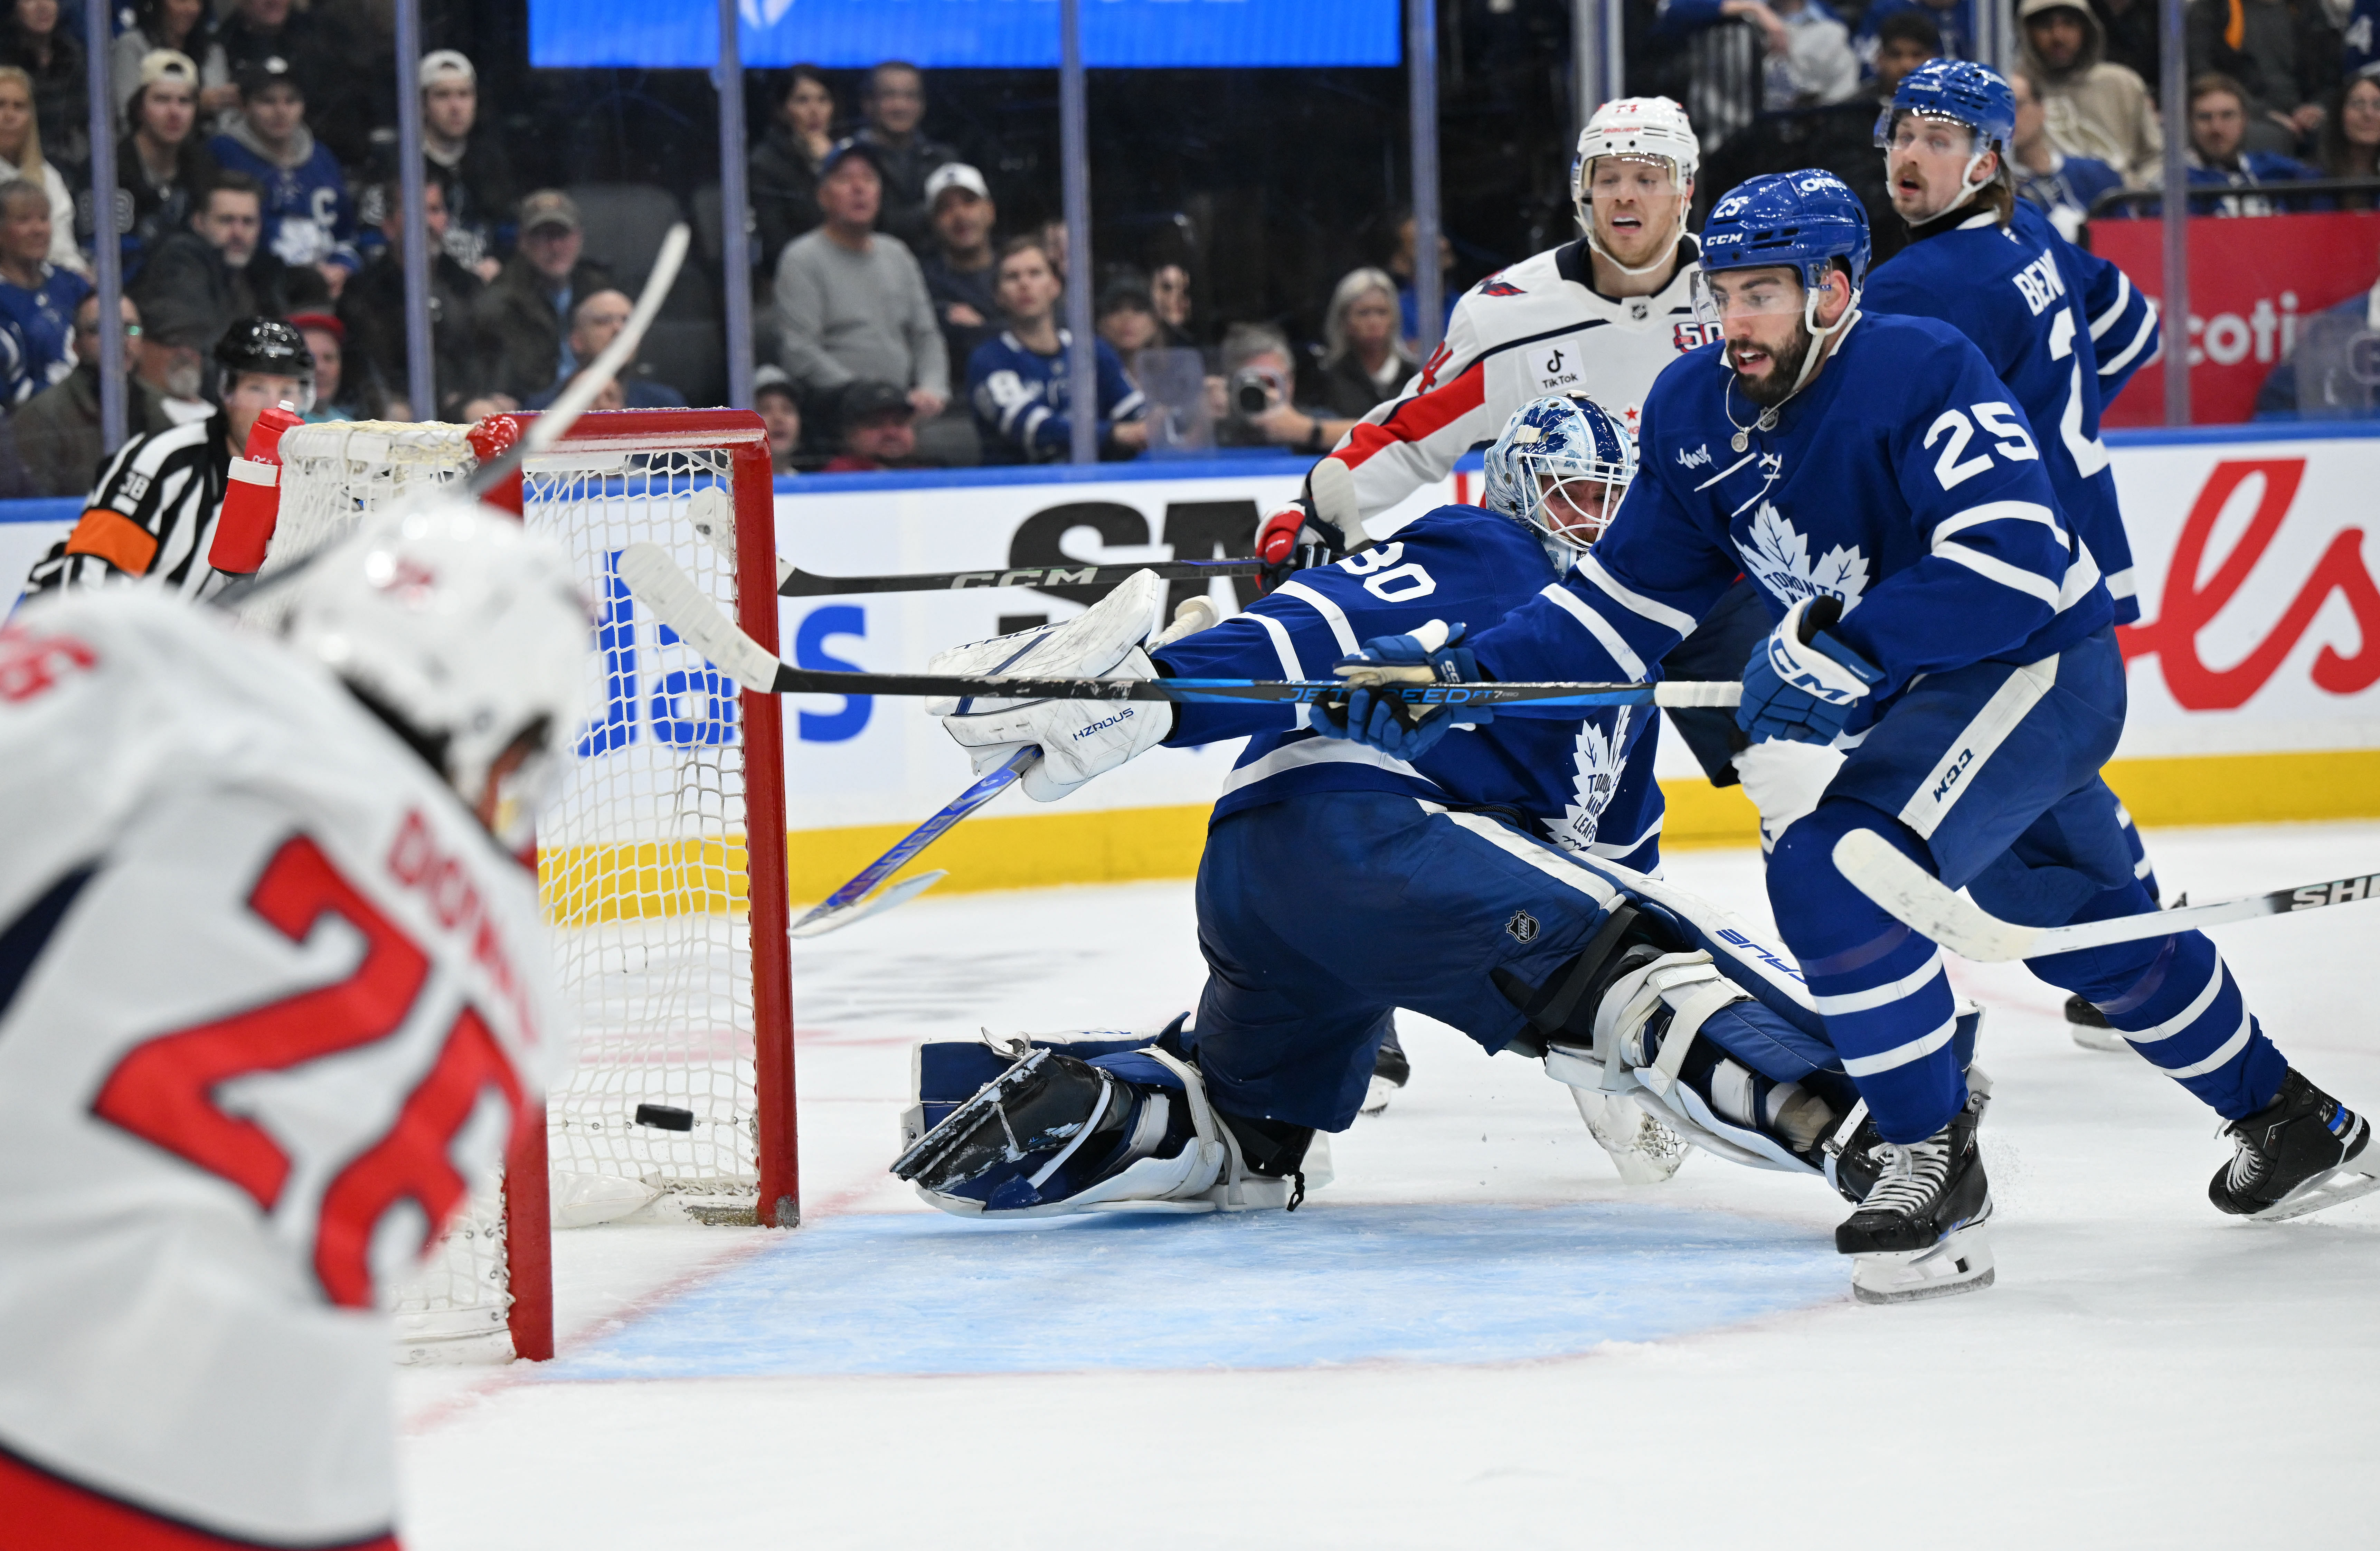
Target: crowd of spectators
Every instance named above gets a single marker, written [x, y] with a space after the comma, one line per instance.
[902, 317]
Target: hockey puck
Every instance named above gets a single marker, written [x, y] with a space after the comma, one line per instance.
[664, 1117]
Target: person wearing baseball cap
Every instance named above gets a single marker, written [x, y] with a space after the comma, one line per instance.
[520, 319]
[161, 164]
[471, 168]
[307, 217]
[959, 267]
[875, 429]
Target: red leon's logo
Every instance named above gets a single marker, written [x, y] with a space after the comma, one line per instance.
[2188, 607]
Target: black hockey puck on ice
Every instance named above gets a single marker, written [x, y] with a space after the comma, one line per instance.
[664, 1117]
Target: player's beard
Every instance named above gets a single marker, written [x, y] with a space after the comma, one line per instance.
[1784, 371]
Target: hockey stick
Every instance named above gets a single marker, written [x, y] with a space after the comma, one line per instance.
[843, 907]
[715, 520]
[1918, 900]
[656, 580]
[795, 583]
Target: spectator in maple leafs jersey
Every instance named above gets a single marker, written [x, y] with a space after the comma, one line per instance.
[1937, 617]
[1497, 882]
[307, 217]
[1018, 380]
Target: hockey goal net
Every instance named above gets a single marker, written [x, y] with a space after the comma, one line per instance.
[662, 866]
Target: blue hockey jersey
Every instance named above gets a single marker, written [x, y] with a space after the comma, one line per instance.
[1023, 401]
[2064, 329]
[1904, 482]
[1583, 781]
[307, 217]
[44, 318]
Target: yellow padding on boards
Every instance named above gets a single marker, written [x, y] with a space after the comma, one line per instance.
[589, 884]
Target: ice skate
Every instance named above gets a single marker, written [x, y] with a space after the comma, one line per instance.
[1390, 1072]
[1919, 1233]
[2294, 1156]
[2090, 1026]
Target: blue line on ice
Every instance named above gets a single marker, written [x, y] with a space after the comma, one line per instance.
[904, 1293]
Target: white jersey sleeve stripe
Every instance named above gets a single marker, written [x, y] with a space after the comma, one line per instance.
[2000, 571]
[1999, 511]
[1332, 614]
[1287, 651]
[1634, 603]
[2149, 327]
[2106, 320]
[1599, 628]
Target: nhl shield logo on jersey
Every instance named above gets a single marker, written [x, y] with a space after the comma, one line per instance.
[1780, 557]
[1522, 926]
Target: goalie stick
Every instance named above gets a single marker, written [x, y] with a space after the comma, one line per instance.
[844, 906]
[1921, 901]
[657, 582]
[713, 516]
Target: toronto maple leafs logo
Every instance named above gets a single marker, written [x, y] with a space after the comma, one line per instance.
[1595, 775]
[1779, 558]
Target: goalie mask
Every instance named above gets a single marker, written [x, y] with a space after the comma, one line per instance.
[1560, 467]
[468, 634]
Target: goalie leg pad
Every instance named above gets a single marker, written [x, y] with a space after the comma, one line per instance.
[1055, 1126]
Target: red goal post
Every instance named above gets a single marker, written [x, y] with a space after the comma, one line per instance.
[662, 866]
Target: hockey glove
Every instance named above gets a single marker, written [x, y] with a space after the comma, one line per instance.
[1429, 655]
[1289, 540]
[1078, 739]
[1802, 683]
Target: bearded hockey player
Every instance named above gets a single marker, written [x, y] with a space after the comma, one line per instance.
[2063, 328]
[1938, 618]
[154, 513]
[273, 987]
[1481, 882]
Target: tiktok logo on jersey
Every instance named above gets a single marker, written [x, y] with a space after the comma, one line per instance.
[1557, 370]
[1779, 557]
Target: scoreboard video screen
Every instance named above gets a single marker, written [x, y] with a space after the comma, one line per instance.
[982, 34]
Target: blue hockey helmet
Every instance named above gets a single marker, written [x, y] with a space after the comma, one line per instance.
[1807, 219]
[1559, 467]
[1959, 90]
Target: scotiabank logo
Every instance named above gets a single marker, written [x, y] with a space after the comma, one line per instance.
[2191, 604]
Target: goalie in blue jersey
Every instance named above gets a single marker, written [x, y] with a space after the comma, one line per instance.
[1941, 620]
[1496, 880]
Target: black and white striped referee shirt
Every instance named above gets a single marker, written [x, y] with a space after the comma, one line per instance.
[153, 516]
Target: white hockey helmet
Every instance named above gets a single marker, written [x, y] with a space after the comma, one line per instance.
[1648, 127]
[469, 631]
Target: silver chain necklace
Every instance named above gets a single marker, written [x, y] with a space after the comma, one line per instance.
[1764, 423]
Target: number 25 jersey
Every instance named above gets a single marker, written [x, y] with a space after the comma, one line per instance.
[270, 999]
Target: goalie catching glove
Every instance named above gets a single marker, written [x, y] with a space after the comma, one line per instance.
[1078, 739]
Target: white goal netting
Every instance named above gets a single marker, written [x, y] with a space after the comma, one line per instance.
[642, 863]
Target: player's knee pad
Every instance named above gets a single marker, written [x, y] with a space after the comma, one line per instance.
[1057, 1125]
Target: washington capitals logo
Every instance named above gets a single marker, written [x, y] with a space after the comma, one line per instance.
[1496, 286]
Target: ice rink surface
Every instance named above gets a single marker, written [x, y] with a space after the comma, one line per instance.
[1477, 1335]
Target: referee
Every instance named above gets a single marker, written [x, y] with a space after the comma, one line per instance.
[154, 513]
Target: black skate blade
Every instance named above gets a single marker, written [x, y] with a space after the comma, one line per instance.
[2336, 1188]
[958, 1127]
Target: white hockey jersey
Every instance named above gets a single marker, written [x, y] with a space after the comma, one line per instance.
[1535, 329]
[269, 996]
